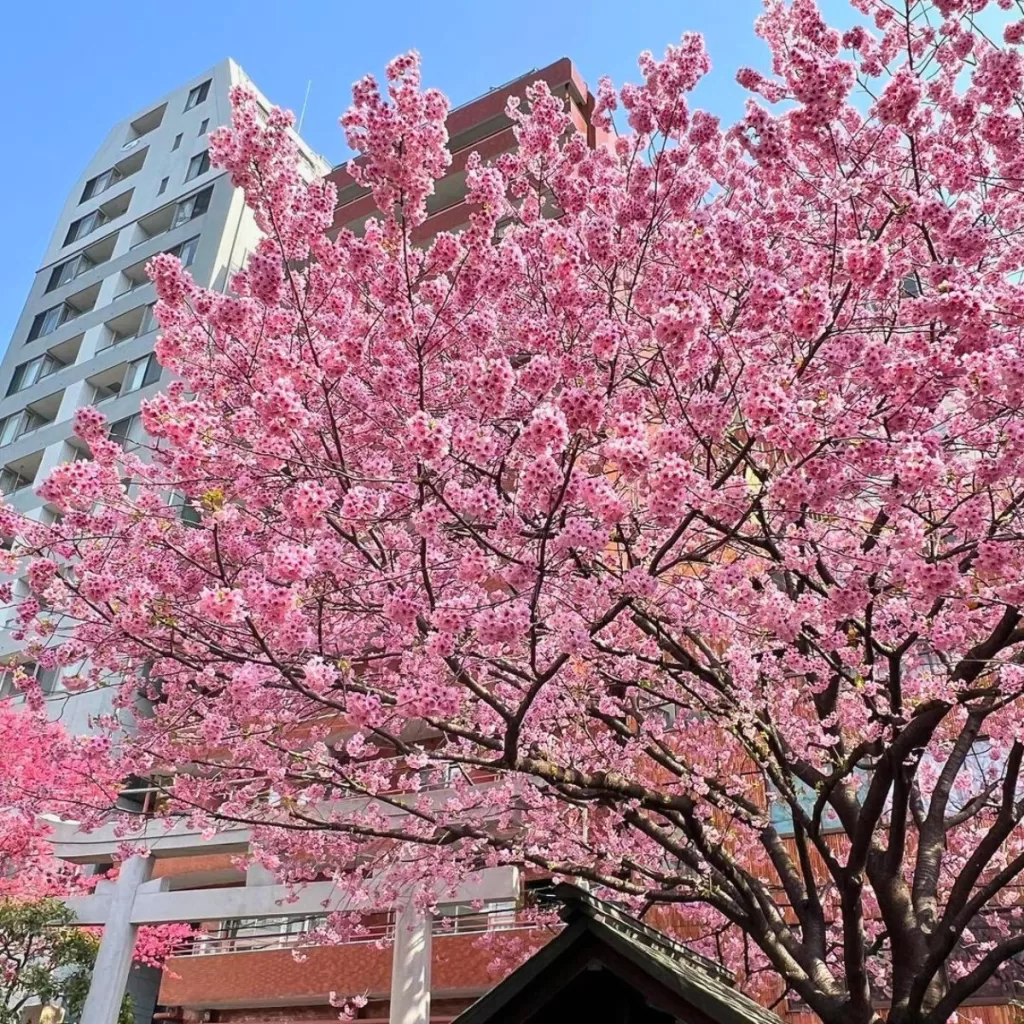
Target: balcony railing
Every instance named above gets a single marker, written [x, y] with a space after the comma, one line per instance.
[288, 933]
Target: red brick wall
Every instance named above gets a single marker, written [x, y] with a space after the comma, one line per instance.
[169, 867]
[239, 979]
[242, 979]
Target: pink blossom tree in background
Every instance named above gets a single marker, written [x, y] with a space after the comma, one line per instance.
[688, 509]
[44, 775]
[47, 775]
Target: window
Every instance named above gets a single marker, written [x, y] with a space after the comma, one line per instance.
[10, 481]
[94, 186]
[185, 251]
[199, 164]
[34, 370]
[910, 287]
[148, 320]
[983, 768]
[7, 687]
[140, 374]
[103, 393]
[125, 430]
[85, 225]
[17, 424]
[48, 678]
[190, 515]
[177, 142]
[191, 207]
[204, 126]
[144, 125]
[50, 319]
[782, 814]
[163, 186]
[69, 270]
[198, 95]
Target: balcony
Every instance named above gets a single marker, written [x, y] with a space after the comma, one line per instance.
[83, 301]
[72, 307]
[141, 126]
[124, 378]
[38, 414]
[133, 324]
[169, 217]
[132, 278]
[274, 977]
[34, 370]
[254, 935]
[124, 168]
[20, 473]
[127, 432]
[102, 215]
[48, 678]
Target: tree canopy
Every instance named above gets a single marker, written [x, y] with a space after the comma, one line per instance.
[662, 529]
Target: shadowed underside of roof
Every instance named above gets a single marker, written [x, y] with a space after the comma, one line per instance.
[629, 971]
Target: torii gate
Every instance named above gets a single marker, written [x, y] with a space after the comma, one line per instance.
[135, 899]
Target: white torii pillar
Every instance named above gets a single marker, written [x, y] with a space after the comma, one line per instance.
[410, 965]
[114, 957]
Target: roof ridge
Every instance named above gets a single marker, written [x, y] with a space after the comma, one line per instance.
[575, 897]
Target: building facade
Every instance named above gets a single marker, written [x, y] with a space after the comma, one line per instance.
[87, 330]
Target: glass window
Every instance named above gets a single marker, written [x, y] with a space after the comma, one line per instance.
[190, 515]
[141, 373]
[163, 186]
[49, 680]
[782, 814]
[204, 126]
[11, 481]
[84, 226]
[198, 95]
[7, 683]
[199, 164]
[984, 767]
[28, 373]
[191, 207]
[124, 430]
[186, 252]
[148, 320]
[94, 186]
[68, 271]
[11, 428]
[177, 142]
[49, 320]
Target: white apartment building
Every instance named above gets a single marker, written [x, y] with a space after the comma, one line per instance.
[86, 333]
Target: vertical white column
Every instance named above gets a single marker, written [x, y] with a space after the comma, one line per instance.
[410, 968]
[114, 959]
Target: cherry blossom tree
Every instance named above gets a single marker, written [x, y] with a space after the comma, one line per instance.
[45, 774]
[662, 530]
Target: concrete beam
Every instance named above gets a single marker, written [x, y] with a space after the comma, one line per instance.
[102, 844]
[155, 904]
[180, 840]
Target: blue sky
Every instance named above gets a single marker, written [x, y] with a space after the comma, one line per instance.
[63, 92]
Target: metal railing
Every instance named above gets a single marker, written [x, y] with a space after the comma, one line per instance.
[289, 933]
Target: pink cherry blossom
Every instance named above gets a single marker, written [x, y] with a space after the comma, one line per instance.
[688, 513]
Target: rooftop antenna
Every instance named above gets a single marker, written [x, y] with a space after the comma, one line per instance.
[309, 85]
